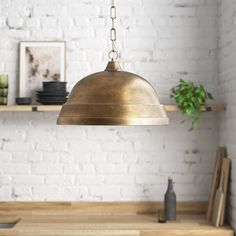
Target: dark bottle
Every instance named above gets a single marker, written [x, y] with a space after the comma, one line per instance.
[170, 201]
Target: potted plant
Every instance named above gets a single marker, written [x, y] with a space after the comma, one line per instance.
[190, 98]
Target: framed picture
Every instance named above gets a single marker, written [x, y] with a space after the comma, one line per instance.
[39, 62]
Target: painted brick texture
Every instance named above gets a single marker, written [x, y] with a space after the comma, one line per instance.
[227, 76]
[163, 41]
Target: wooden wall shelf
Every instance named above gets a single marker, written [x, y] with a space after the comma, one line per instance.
[29, 108]
[210, 108]
[53, 108]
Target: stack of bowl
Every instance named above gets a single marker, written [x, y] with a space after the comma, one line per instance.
[53, 93]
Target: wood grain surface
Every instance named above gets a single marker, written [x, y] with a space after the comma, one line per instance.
[104, 219]
[215, 181]
[112, 225]
[218, 202]
[25, 108]
[70, 208]
[225, 169]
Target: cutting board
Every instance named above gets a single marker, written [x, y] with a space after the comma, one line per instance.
[225, 169]
[215, 181]
[218, 202]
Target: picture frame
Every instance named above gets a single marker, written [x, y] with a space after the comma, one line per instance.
[40, 61]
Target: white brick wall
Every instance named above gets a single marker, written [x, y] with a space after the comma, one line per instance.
[163, 41]
[227, 75]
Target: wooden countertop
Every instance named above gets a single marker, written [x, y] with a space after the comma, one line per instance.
[105, 219]
[111, 225]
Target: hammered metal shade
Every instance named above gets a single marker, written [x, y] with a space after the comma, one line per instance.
[113, 97]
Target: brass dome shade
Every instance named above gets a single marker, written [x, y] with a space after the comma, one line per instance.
[113, 97]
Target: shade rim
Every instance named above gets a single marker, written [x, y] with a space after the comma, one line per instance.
[109, 121]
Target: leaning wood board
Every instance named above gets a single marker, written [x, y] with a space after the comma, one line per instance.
[225, 169]
[218, 202]
[215, 181]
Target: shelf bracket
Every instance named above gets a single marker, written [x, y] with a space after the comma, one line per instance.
[34, 109]
[208, 109]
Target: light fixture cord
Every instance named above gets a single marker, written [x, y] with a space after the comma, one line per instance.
[113, 54]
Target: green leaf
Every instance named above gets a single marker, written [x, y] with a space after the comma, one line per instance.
[200, 101]
[181, 99]
[189, 111]
[189, 98]
[210, 96]
[201, 87]
[203, 94]
[190, 129]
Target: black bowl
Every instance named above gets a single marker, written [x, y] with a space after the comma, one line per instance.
[52, 94]
[54, 86]
[52, 99]
[45, 102]
[24, 101]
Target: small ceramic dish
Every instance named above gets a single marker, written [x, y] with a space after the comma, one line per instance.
[24, 101]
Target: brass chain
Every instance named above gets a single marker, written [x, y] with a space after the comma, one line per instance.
[113, 54]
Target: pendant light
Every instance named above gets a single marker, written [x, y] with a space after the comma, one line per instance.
[113, 96]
